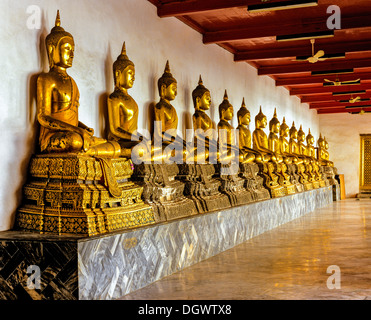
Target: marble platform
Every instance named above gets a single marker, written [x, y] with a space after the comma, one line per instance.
[112, 265]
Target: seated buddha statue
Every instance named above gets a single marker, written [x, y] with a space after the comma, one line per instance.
[122, 108]
[226, 138]
[284, 143]
[58, 104]
[301, 144]
[326, 153]
[260, 140]
[311, 151]
[247, 154]
[203, 125]
[273, 139]
[166, 120]
[293, 144]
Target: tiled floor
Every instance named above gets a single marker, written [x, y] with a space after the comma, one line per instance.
[289, 262]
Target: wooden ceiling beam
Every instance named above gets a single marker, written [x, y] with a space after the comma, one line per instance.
[309, 67]
[294, 51]
[272, 30]
[328, 89]
[340, 110]
[336, 104]
[179, 8]
[330, 98]
[320, 79]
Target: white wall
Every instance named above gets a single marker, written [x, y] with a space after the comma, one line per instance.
[99, 29]
[342, 133]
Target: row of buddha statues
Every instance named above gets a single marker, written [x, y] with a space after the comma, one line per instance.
[82, 184]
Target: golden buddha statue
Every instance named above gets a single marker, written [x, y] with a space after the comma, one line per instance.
[249, 169]
[268, 157]
[203, 125]
[284, 143]
[122, 108]
[273, 139]
[227, 147]
[301, 160]
[275, 147]
[58, 103]
[301, 144]
[260, 140]
[293, 144]
[326, 153]
[247, 154]
[311, 152]
[166, 120]
[78, 184]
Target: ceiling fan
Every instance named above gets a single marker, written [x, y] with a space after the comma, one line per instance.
[354, 100]
[319, 56]
[341, 83]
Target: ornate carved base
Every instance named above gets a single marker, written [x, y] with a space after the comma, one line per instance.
[202, 188]
[232, 185]
[163, 192]
[328, 174]
[253, 182]
[292, 171]
[68, 194]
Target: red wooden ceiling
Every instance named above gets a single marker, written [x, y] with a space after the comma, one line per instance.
[251, 37]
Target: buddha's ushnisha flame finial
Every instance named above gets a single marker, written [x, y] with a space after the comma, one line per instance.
[283, 120]
[225, 95]
[167, 67]
[275, 113]
[301, 128]
[309, 131]
[200, 81]
[123, 50]
[57, 19]
[243, 102]
[293, 123]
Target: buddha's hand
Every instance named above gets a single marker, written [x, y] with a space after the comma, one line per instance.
[90, 131]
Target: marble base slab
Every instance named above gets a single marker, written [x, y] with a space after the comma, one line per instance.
[112, 265]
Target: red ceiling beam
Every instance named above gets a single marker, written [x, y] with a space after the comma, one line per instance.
[320, 79]
[319, 66]
[328, 89]
[331, 98]
[179, 8]
[340, 110]
[354, 46]
[336, 104]
[272, 30]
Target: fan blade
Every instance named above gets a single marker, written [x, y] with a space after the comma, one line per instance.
[319, 54]
[327, 80]
[351, 81]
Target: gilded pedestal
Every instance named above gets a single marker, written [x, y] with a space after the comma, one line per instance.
[68, 194]
[202, 187]
[163, 191]
[253, 181]
[232, 184]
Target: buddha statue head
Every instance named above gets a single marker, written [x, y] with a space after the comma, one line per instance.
[274, 124]
[260, 120]
[293, 132]
[167, 84]
[310, 139]
[201, 97]
[320, 141]
[243, 115]
[284, 129]
[301, 134]
[123, 70]
[225, 109]
[325, 143]
[59, 46]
